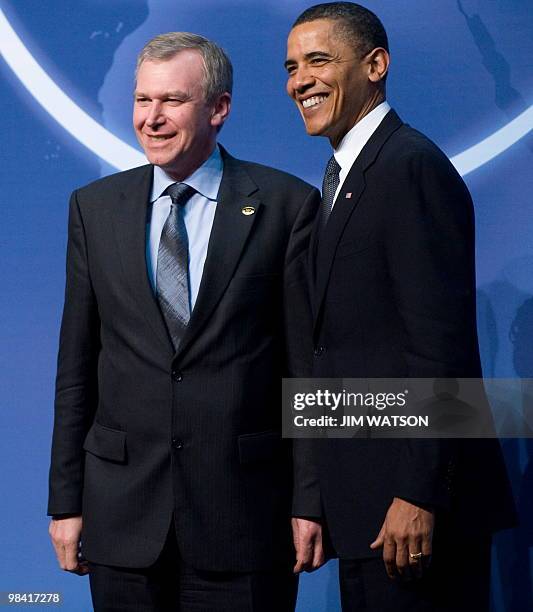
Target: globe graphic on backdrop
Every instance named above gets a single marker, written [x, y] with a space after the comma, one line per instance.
[462, 83]
[456, 75]
[459, 88]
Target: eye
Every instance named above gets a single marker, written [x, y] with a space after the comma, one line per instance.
[290, 69]
[141, 101]
[318, 61]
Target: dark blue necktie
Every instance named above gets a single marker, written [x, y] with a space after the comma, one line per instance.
[173, 292]
[329, 187]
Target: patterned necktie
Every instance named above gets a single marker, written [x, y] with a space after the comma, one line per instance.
[173, 291]
[329, 187]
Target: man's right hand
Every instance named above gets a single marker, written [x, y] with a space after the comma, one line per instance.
[65, 534]
[307, 537]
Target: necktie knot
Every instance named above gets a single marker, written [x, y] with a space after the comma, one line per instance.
[180, 193]
[333, 168]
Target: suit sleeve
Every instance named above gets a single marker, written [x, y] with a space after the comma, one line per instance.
[430, 251]
[76, 392]
[298, 331]
[297, 304]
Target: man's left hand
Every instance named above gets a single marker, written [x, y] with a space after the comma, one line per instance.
[307, 537]
[406, 532]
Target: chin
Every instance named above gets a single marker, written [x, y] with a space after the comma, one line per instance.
[314, 130]
[159, 160]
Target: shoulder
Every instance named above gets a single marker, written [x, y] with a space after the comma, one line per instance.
[115, 183]
[416, 174]
[409, 148]
[272, 179]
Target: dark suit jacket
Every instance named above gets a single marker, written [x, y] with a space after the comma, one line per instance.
[393, 295]
[141, 433]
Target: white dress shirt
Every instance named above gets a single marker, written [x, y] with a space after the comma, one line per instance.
[199, 213]
[354, 141]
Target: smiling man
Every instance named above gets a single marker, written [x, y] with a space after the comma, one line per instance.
[167, 458]
[393, 295]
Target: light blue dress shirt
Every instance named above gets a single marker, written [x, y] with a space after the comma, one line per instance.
[199, 213]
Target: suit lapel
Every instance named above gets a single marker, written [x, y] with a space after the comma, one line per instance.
[231, 228]
[353, 187]
[311, 254]
[130, 231]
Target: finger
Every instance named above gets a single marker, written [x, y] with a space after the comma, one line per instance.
[296, 541]
[427, 550]
[379, 541]
[60, 554]
[389, 557]
[415, 563]
[318, 557]
[302, 565]
[71, 556]
[402, 558]
[59, 547]
[297, 566]
[295, 531]
[304, 556]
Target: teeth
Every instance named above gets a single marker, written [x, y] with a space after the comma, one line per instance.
[313, 101]
[158, 137]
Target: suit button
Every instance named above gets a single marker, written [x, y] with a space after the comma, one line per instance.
[177, 375]
[177, 443]
[318, 351]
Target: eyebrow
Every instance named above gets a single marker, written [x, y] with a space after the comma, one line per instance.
[308, 56]
[168, 94]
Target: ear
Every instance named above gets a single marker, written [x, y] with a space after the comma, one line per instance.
[221, 109]
[378, 64]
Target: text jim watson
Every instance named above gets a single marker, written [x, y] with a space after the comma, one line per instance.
[373, 420]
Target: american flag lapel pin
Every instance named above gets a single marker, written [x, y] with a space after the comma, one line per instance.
[348, 195]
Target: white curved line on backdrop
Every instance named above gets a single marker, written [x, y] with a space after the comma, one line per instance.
[68, 114]
[123, 156]
[496, 143]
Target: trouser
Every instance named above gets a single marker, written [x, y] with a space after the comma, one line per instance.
[457, 580]
[170, 585]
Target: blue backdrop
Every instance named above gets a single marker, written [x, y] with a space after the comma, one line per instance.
[462, 72]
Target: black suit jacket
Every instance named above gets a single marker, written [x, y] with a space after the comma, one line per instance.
[141, 433]
[393, 295]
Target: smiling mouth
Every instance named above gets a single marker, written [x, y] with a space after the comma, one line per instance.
[157, 138]
[314, 101]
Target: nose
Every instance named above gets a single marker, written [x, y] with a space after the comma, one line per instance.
[301, 79]
[155, 115]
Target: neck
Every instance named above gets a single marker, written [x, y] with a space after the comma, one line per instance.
[374, 101]
[183, 171]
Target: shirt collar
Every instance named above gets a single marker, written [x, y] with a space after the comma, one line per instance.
[205, 180]
[354, 141]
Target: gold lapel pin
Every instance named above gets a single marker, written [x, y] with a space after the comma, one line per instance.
[248, 210]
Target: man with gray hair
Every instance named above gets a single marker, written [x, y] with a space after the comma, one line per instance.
[167, 458]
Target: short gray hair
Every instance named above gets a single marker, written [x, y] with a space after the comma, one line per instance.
[218, 71]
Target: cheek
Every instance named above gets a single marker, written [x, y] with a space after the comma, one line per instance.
[289, 89]
[180, 119]
[138, 118]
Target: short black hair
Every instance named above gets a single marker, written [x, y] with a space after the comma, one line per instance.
[360, 27]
